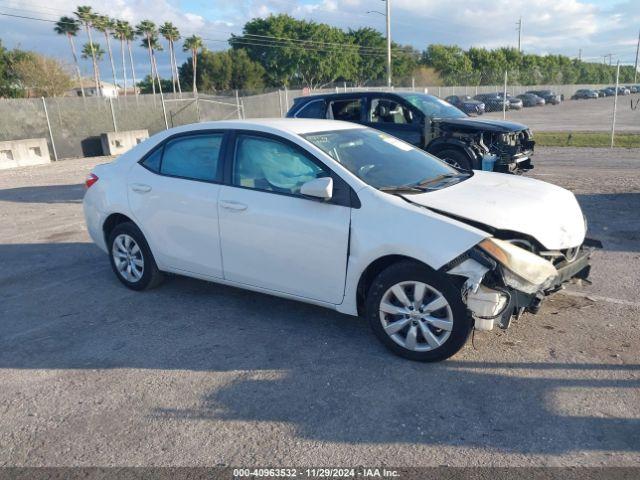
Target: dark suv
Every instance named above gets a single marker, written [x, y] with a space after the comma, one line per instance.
[429, 123]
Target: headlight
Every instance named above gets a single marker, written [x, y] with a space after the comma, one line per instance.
[528, 266]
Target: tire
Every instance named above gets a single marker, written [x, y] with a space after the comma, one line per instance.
[131, 259]
[453, 317]
[456, 158]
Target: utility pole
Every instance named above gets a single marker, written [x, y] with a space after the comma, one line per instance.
[388, 42]
[605, 58]
[580, 55]
[635, 70]
[519, 35]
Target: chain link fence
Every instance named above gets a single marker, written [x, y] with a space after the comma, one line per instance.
[72, 126]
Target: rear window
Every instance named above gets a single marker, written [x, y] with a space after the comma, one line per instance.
[314, 109]
[193, 157]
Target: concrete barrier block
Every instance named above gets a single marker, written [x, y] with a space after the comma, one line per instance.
[116, 143]
[21, 153]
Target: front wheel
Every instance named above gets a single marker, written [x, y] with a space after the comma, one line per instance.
[455, 158]
[417, 313]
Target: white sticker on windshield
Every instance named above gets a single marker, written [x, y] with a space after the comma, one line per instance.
[396, 143]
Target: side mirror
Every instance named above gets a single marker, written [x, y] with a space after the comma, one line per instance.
[318, 188]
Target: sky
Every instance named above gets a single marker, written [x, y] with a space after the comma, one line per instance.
[597, 27]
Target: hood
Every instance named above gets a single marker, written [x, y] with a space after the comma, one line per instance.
[484, 124]
[548, 213]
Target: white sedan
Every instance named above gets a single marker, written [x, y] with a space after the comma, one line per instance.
[342, 216]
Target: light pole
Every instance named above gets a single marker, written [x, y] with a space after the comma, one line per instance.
[387, 15]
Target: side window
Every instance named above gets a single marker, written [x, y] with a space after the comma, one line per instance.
[270, 165]
[152, 162]
[193, 157]
[347, 110]
[388, 111]
[314, 109]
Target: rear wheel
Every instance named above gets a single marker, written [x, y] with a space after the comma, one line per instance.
[456, 158]
[417, 313]
[131, 258]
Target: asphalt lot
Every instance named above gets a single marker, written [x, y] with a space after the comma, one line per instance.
[194, 373]
[579, 115]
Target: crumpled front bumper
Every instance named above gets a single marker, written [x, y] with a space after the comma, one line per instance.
[495, 301]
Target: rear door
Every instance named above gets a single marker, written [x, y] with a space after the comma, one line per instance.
[272, 237]
[395, 117]
[173, 194]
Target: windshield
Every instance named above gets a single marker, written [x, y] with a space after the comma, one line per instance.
[384, 162]
[432, 106]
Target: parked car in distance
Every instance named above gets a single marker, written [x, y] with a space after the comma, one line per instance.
[515, 103]
[467, 104]
[492, 102]
[584, 94]
[431, 124]
[549, 96]
[634, 88]
[623, 91]
[531, 100]
[318, 211]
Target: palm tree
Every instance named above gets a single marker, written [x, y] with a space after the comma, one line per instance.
[69, 26]
[193, 44]
[147, 30]
[104, 24]
[86, 16]
[95, 52]
[171, 33]
[124, 32]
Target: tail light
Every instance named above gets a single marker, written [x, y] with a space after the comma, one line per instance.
[90, 180]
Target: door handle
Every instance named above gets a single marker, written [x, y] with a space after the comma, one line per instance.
[140, 188]
[236, 206]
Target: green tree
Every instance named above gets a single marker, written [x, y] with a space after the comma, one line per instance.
[87, 16]
[42, 76]
[106, 26]
[146, 85]
[171, 34]
[10, 84]
[147, 30]
[194, 45]
[69, 27]
[124, 32]
[311, 53]
[371, 62]
[94, 52]
[229, 70]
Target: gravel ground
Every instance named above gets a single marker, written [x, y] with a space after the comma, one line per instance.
[580, 115]
[194, 373]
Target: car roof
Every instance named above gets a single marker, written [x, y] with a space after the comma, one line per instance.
[297, 126]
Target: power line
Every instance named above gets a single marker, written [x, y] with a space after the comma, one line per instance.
[315, 45]
[262, 38]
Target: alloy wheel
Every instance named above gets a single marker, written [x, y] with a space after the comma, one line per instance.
[128, 258]
[416, 316]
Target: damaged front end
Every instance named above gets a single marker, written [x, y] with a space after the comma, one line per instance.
[504, 280]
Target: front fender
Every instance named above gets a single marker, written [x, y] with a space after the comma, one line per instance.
[389, 225]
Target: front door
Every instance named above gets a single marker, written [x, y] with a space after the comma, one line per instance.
[271, 236]
[395, 118]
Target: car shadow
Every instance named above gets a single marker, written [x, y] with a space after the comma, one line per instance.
[614, 218]
[44, 194]
[319, 371]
